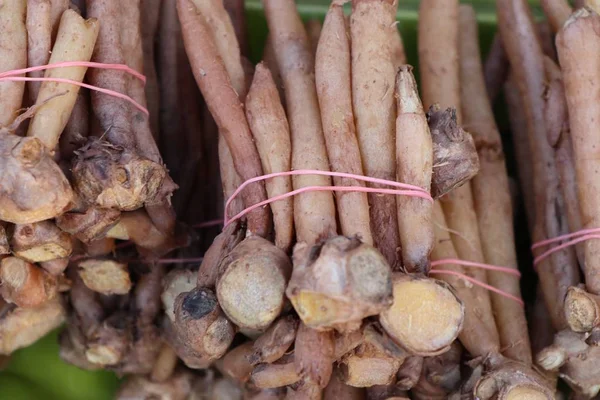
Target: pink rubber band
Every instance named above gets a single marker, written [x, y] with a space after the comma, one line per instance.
[562, 246]
[409, 190]
[81, 84]
[65, 64]
[12, 76]
[478, 283]
[490, 267]
[327, 189]
[208, 224]
[581, 232]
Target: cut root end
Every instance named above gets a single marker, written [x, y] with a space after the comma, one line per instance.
[582, 310]
[426, 316]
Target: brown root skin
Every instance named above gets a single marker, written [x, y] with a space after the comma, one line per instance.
[478, 336]
[105, 276]
[237, 13]
[4, 246]
[594, 337]
[338, 283]
[201, 324]
[251, 286]
[346, 342]
[333, 81]
[188, 356]
[367, 365]
[264, 394]
[13, 53]
[110, 176]
[221, 246]
[223, 388]
[145, 306]
[159, 209]
[526, 57]
[142, 352]
[75, 41]
[303, 390]
[386, 392]
[314, 212]
[235, 363]
[576, 361]
[576, 39]
[495, 68]
[207, 386]
[425, 317]
[278, 374]
[140, 229]
[582, 309]
[409, 373]
[271, 133]
[440, 375]
[78, 128]
[275, 342]
[176, 282]
[73, 352]
[108, 344]
[90, 224]
[224, 104]
[313, 355]
[88, 312]
[25, 284]
[177, 387]
[541, 332]
[40, 241]
[33, 187]
[165, 364]
[100, 247]
[490, 204]
[557, 12]
[521, 146]
[455, 159]
[337, 389]
[373, 72]
[313, 30]
[55, 267]
[512, 381]
[414, 161]
[269, 58]
[21, 327]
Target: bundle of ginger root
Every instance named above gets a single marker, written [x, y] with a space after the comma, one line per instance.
[128, 228]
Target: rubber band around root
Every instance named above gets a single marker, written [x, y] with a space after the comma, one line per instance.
[575, 237]
[405, 189]
[13, 76]
[477, 282]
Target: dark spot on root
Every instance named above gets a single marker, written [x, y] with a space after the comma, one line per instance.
[199, 302]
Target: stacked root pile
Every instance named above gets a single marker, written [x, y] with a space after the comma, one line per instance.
[111, 218]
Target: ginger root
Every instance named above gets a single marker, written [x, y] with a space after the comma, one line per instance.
[374, 362]
[105, 276]
[338, 283]
[20, 327]
[25, 284]
[40, 241]
[575, 360]
[426, 316]
[33, 187]
[251, 287]
[111, 176]
[455, 159]
[201, 325]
